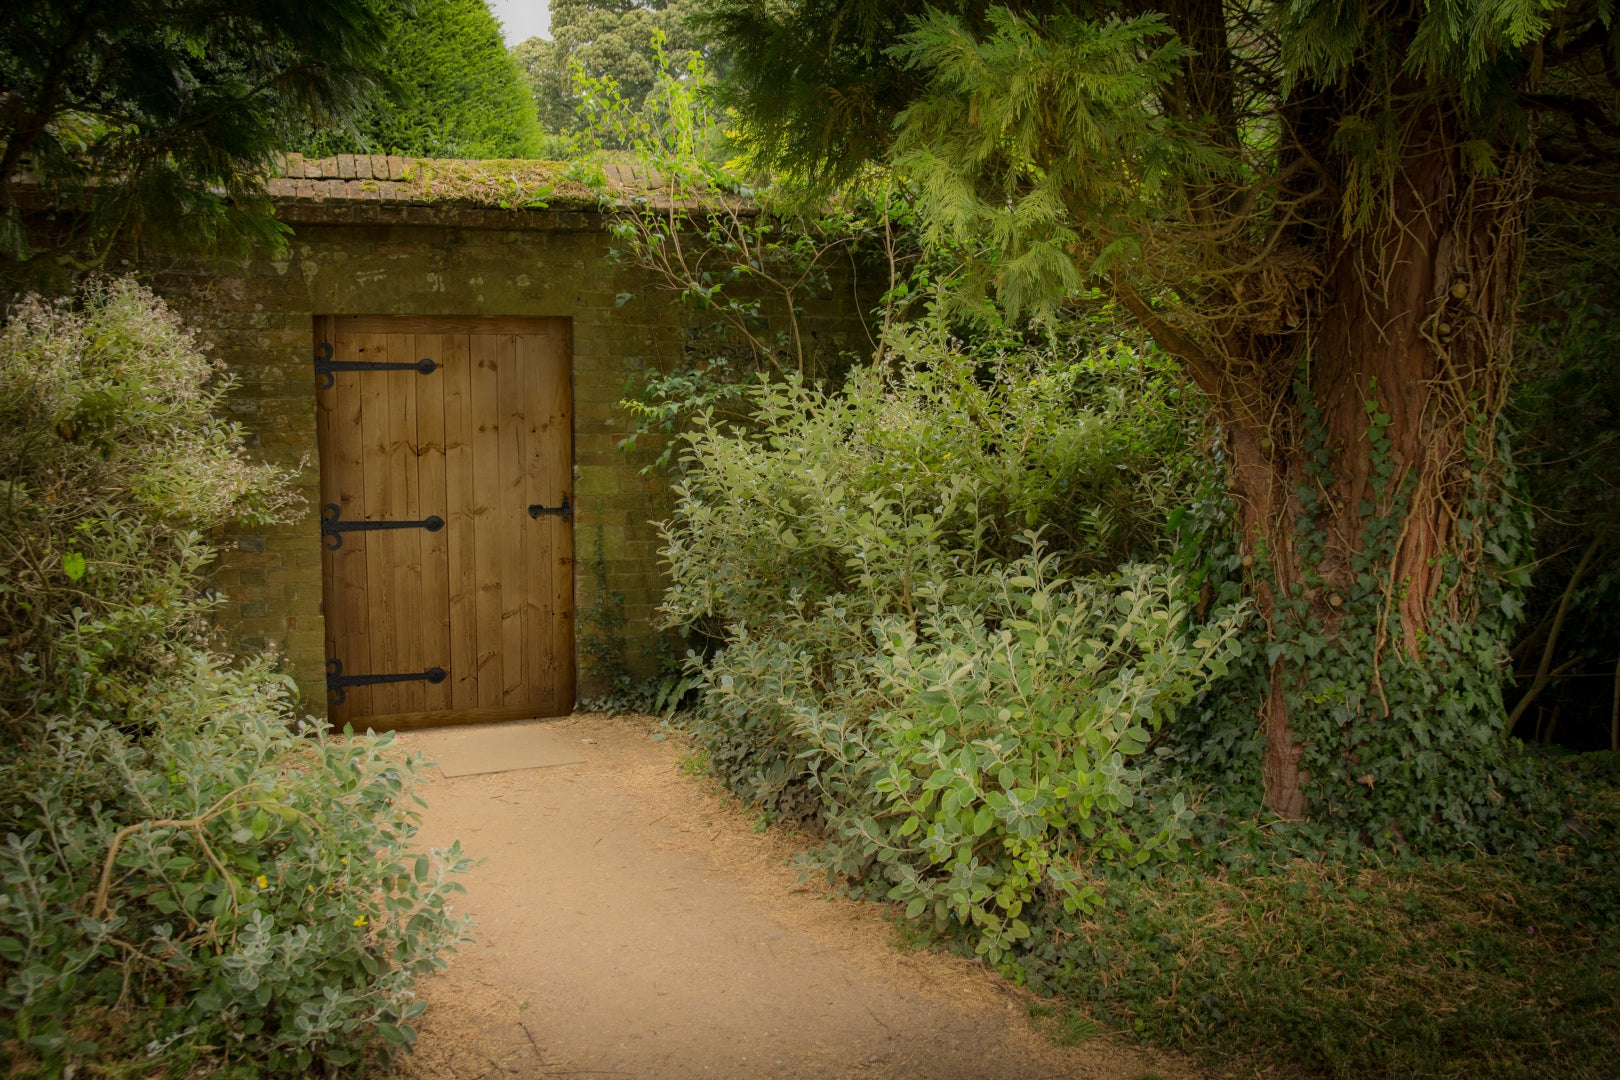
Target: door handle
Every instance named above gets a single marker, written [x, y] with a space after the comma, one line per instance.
[564, 511]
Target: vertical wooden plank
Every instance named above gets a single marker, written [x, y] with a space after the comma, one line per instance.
[462, 522]
[550, 554]
[561, 456]
[431, 500]
[511, 514]
[487, 532]
[405, 562]
[347, 602]
[325, 400]
[537, 362]
[405, 501]
[376, 437]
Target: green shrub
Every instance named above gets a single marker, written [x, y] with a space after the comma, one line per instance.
[187, 881]
[224, 888]
[114, 462]
[914, 466]
[904, 659]
[453, 91]
[1000, 745]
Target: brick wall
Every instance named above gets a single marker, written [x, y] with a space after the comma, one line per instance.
[357, 253]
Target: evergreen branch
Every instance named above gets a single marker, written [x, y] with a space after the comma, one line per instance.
[1170, 339]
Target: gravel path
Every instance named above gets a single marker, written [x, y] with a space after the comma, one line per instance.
[633, 923]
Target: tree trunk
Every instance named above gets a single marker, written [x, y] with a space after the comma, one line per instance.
[1415, 314]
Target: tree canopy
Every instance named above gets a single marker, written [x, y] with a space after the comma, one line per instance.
[1320, 211]
[174, 107]
[607, 39]
[453, 91]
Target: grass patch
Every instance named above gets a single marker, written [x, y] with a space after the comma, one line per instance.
[1500, 967]
[1064, 1025]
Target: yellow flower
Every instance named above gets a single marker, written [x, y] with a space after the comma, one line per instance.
[361, 921]
[264, 882]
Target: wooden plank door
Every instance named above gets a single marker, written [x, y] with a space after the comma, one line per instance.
[446, 451]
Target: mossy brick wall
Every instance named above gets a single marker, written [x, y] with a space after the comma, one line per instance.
[350, 256]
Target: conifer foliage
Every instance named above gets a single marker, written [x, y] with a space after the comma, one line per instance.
[452, 91]
[1319, 209]
[172, 108]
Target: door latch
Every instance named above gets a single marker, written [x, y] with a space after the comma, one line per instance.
[564, 511]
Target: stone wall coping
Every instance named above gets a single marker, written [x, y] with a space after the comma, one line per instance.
[362, 189]
[512, 190]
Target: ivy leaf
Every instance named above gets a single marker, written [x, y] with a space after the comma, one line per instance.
[73, 565]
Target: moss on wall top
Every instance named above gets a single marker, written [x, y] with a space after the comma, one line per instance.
[503, 184]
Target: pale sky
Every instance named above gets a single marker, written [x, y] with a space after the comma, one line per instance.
[522, 19]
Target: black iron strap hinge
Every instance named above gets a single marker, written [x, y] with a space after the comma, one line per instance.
[325, 365]
[337, 683]
[334, 529]
[564, 511]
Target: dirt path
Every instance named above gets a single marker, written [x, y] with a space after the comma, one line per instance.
[630, 925]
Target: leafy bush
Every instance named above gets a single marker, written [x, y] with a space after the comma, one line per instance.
[904, 659]
[1001, 746]
[186, 881]
[939, 457]
[224, 887]
[113, 464]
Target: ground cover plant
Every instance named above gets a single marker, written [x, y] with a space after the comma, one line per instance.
[1499, 967]
[191, 882]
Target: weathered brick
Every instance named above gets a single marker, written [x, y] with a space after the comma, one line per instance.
[355, 251]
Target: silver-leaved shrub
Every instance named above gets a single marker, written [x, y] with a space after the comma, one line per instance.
[900, 651]
[191, 882]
